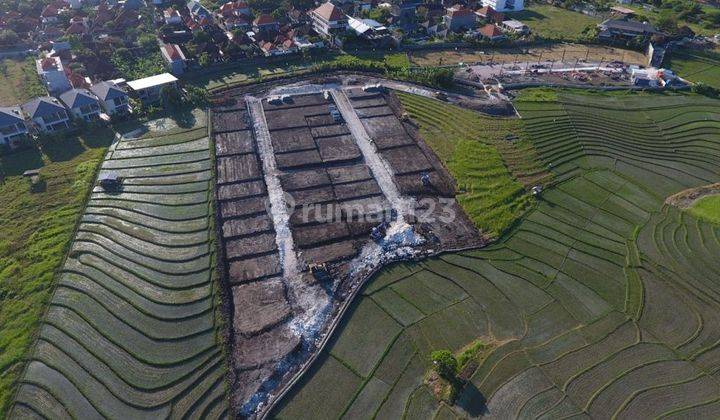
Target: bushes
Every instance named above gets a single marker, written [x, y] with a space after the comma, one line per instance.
[444, 363]
[705, 90]
[435, 77]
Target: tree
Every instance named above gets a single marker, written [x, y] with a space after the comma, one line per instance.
[667, 21]
[204, 60]
[171, 96]
[148, 42]
[8, 37]
[444, 363]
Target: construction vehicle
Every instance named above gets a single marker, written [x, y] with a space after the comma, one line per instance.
[425, 179]
[110, 181]
[320, 272]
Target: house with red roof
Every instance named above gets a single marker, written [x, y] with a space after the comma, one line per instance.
[489, 14]
[174, 57]
[492, 32]
[459, 18]
[49, 14]
[266, 23]
[235, 8]
[172, 16]
[328, 20]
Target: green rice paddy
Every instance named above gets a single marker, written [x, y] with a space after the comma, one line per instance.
[707, 208]
[577, 296]
[131, 329]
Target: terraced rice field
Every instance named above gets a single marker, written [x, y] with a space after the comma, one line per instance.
[603, 301]
[131, 330]
[491, 171]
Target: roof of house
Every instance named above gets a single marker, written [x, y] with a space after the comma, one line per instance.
[49, 11]
[460, 12]
[173, 52]
[629, 25]
[107, 91]
[42, 106]
[10, 115]
[623, 10]
[329, 12]
[75, 98]
[489, 12]
[147, 82]
[264, 19]
[515, 24]
[491, 31]
[76, 27]
[170, 12]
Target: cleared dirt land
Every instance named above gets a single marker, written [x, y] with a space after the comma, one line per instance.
[557, 52]
[130, 331]
[580, 291]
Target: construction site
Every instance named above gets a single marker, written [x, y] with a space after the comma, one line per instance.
[317, 188]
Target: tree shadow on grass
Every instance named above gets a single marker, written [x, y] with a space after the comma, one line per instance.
[13, 164]
[472, 401]
[530, 15]
[184, 117]
[62, 149]
[98, 137]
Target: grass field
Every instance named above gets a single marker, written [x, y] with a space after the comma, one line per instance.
[707, 208]
[697, 66]
[550, 22]
[484, 163]
[20, 82]
[131, 329]
[37, 228]
[234, 74]
[576, 296]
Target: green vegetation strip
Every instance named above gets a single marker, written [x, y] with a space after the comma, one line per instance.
[468, 144]
[37, 229]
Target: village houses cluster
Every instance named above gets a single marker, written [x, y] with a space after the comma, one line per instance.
[190, 36]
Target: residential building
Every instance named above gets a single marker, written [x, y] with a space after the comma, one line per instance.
[489, 14]
[505, 5]
[113, 99]
[459, 18]
[404, 15]
[197, 10]
[515, 26]
[47, 114]
[172, 16]
[149, 89]
[266, 23]
[492, 32]
[625, 30]
[52, 73]
[235, 8]
[280, 46]
[49, 14]
[369, 29]
[297, 16]
[329, 20]
[13, 130]
[82, 103]
[78, 26]
[236, 22]
[174, 57]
